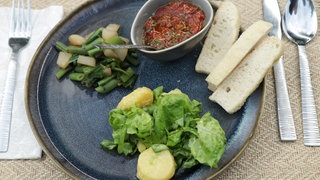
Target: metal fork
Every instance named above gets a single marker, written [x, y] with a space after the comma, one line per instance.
[19, 35]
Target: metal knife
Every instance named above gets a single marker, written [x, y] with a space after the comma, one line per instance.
[271, 13]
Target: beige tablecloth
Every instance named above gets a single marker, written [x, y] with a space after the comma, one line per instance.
[266, 157]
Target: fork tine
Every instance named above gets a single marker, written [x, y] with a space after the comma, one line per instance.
[20, 18]
[12, 22]
[23, 21]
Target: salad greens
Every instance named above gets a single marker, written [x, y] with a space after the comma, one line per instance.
[172, 122]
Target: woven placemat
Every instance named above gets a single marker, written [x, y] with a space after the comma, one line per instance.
[266, 157]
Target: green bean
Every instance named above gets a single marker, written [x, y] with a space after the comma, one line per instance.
[78, 69]
[93, 43]
[108, 86]
[61, 72]
[87, 69]
[73, 58]
[134, 54]
[83, 69]
[106, 80]
[76, 76]
[132, 60]
[91, 78]
[129, 73]
[93, 36]
[61, 46]
[119, 70]
[130, 83]
[76, 50]
[114, 64]
[107, 61]
[94, 51]
[125, 64]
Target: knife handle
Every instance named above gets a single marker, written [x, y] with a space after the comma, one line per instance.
[309, 115]
[285, 118]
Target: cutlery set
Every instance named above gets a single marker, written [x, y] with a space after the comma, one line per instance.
[299, 23]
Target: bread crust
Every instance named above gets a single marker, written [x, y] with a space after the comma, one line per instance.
[232, 93]
[244, 45]
[221, 36]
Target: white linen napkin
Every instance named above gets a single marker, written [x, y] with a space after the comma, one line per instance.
[22, 143]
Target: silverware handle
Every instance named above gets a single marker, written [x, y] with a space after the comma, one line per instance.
[285, 117]
[6, 103]
[309, 115]
[120, 46]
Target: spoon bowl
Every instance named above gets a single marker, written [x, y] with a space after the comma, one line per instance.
[299, 23]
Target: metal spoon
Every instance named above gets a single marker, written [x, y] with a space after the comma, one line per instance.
[299, 23]
[126, 46]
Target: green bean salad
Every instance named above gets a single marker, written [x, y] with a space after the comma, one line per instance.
[101, 69]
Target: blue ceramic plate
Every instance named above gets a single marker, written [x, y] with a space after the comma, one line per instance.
[70, 121]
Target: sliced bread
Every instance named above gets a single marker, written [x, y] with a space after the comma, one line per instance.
[246, 77]
[246, 42]
[221, 36]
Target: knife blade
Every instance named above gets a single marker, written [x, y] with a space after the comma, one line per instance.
[271, 13]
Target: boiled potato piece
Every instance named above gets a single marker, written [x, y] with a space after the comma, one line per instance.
[63, 59]
[121, 53]
[155, 166]
[86, 60]
[113, 27]
[108, 34]
[76, 40]
[140, 97]
[110, 53]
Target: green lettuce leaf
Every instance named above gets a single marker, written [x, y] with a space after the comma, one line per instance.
[210, 145]
[135, 121]
[139, 122]
[174, 111]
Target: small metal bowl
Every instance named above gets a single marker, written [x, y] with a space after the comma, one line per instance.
[178, 50]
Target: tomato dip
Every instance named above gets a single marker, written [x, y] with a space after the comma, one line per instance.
[172, 24]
